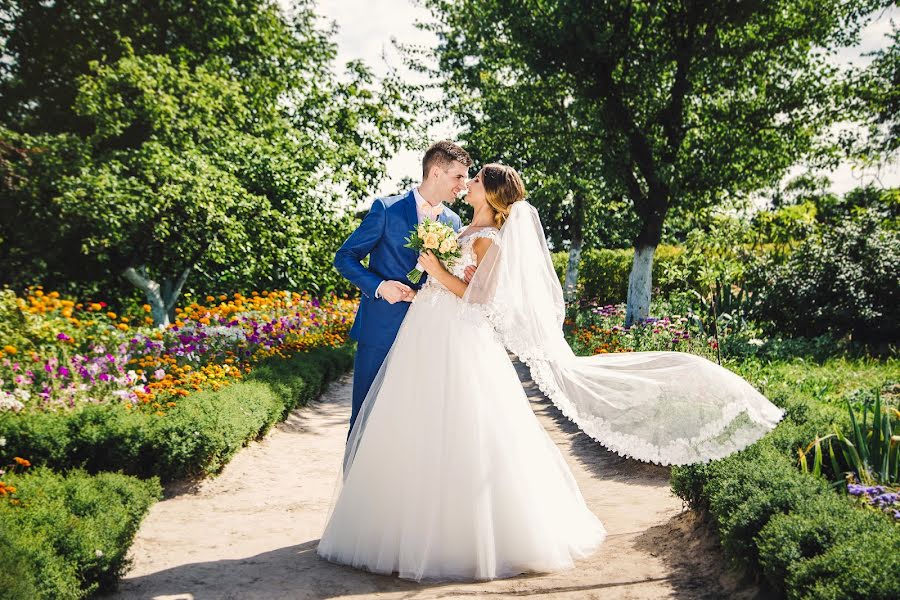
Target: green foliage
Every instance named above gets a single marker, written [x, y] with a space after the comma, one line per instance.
[821, 526]
[536, 122]
[843, 281]
[14, 324]
[603, 274]
[878, 102]
[196, 437]
[865, 566]
[211, 148]
[68, 535]
[659, 103]
[868, 450]
[808, 541]
[749, 492]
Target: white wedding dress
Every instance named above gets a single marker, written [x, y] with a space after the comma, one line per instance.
[454, 478]
[447, 472]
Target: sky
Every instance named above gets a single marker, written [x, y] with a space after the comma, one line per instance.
[367, 28]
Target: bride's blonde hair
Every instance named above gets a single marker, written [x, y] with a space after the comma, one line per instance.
[502, 187]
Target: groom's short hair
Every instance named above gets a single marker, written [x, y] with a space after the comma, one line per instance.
[442, 154]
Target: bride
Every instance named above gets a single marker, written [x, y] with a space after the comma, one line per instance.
[447, 472]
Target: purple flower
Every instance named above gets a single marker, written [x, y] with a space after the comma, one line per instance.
[63, 337]
[855, 490]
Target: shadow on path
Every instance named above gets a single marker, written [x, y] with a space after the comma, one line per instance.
[297, 573]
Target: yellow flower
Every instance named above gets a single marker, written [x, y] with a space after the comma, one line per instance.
[111, 315]
[446, 245]
[430, 240]
[10, 349]
[147, 308]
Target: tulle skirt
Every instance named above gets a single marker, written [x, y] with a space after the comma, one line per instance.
[453, 477]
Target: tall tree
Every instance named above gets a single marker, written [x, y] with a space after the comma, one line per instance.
[182, 139]
[699, 100]
[877, 91]
[507, 113]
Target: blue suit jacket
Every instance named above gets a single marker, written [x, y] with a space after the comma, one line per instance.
[382, 235]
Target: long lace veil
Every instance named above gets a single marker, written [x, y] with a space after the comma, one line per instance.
[662, 407]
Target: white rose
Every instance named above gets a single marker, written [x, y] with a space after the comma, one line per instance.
[430, 240]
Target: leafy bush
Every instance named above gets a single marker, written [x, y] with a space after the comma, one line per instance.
[865, 566]
[196, 437]
[807, 540]
[750, 492]
[603, 274]
[812, 530]
[67, 536]
[843, 281]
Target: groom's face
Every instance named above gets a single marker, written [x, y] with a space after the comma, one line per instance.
[452, 181]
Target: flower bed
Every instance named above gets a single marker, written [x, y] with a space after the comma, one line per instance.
[67, 354]
[174, 402]
[597, 329]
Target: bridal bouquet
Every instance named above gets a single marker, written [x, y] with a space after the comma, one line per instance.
[434, 236]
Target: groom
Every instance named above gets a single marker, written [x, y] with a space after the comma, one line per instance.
[386, 291]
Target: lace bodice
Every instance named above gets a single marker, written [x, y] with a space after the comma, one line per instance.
[466, 246]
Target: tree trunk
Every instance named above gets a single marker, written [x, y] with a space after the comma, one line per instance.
[576, 243]
[161, 298]
[640, 280]
[152, 292]
[640, 285]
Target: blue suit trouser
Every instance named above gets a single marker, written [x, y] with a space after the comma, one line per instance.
[365, 367]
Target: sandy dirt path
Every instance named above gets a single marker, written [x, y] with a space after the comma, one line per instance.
[251, 532]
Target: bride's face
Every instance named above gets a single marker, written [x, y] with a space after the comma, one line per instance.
[476, 196]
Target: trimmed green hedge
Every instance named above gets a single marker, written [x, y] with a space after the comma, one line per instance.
[603, 274]
[69, 535]
[805, 539]
[196, 437]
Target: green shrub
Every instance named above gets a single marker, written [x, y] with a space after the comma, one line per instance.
[865, 566]
[817, 525]
[791, 527]
[196, 437]
[70, 534]
[841, 282]
[603, 274]
[747, 493]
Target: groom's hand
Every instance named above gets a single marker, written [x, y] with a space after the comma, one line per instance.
[394, 291]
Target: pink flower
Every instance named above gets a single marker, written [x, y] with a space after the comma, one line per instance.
[159, 374]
